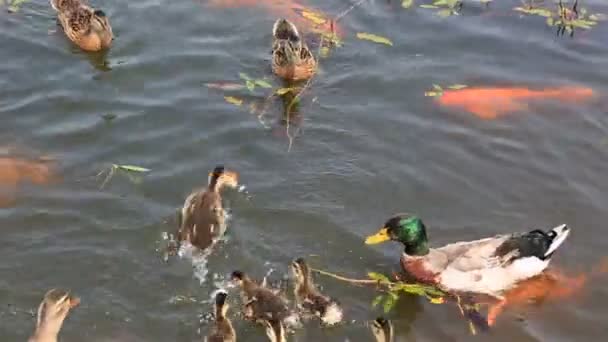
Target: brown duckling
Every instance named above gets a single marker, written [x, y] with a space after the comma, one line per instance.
[51, 313]
[87, 27]
[291, 57]
[263, 304]
[308, 296]
[223, 330]
[203, 218]
[382, 330]
[275, 331]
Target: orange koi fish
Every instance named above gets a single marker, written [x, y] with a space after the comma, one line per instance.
[490, 103]
[14, 171]
[304, 17]
[550, 285]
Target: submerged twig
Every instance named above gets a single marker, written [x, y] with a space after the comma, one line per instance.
[349, 280]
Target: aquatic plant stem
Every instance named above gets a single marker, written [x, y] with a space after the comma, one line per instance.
[349, 280]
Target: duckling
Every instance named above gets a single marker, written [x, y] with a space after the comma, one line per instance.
[203, 218]
[51, 313]
[261, 303]
[382, 330]
[87, 27]
[291, 57]
[487, 266]
[275, 331]
[308, 296]
[223, 330]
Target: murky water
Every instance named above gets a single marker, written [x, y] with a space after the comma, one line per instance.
[367, 143]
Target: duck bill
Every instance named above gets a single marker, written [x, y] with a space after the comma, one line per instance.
[74, 302]
[379, 237]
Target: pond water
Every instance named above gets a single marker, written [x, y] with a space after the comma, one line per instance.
[366, 143]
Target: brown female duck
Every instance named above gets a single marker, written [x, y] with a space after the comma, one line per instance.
[223, 330]
[291, 57]
[308, 296]
[87, 27]
[203, 217]
[51, 313]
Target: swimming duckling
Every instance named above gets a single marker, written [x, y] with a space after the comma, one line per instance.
[308, 296]
[382, 330]
[203, 218]
[223, 330]
[51, 313]
[87, 27]
[275, 331]
[261, 303]
[291, 57]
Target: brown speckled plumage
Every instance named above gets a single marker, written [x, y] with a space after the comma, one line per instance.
[291, 57]
[88, 28]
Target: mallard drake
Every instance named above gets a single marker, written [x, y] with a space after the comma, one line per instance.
[51, 313]
[203, 218]
[291, 57]
[87, 27]
[223, 330]
[308, 296]
[263, 304]
[487, 266]
[382, 330]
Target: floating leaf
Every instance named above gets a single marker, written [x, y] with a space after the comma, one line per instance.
[432, 93]
[250, 85]
[233, 100]
[428, 6]
[263, 83]
[131, 168]
[550, 21]
[407, 3]
[227, 86]
[444, 13]
[315, 17]
[457, 86]
[283, 91]
[378, 276]
[15, 5]
[441, 3]
[437, 300]
[377, 300]
[244, 76]
[374, 38]
[389, 303]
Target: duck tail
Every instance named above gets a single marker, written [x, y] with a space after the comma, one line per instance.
[284, 29]
[558, 235]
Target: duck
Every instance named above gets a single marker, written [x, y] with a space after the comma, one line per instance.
[488, 266]
[291, 58]
[223, 331]
[308, 297]
[202, 219]
[275, 331]
[263, 304]
[52, 311]
[87, 27]
[382, 329]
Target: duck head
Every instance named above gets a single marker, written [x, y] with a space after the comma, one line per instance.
[51, 313]
[100, 25]
[404, 228]
[220, 177]
[300, 271]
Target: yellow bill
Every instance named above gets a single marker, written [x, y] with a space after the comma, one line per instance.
[379, 237]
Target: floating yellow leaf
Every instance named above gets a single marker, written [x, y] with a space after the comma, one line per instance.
[283, 91]
[432, 93]
[457, 86]
[316, 18]
[437, 300]
[234, 100]
[407, 3]
[428, 6]
[374, 38]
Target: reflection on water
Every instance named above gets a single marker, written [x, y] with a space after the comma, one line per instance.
[15, 171]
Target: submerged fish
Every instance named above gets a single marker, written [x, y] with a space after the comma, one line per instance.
[490, 103]
[303, 16]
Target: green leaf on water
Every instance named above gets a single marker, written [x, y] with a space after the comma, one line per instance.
[131, 168]
[377, 300]
[440, 3]
[263, 83]
[407, 3]
[244, 76]
[444, 13]
[428, 6]
[250, 85]
[374, 38]
[283, 91]
[457, 86]
[389, 303]
[378, 276]
[233, 100]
